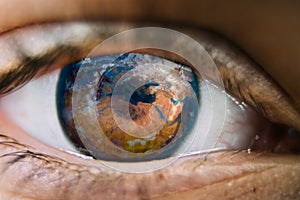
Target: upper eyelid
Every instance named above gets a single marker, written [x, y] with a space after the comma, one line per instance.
[27, 57]
[30, 66]
[229, 18]
[241, 76]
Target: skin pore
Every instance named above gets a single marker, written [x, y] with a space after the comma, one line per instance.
[267, 30]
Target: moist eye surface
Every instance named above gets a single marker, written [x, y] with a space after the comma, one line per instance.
[236, 133]
[144, 104]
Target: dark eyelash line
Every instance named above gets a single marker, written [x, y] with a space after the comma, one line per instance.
[6, 137]
[25, 153]
[32, 71]
[31, 66]
[18, 156]
[12, 144]
[22, 152]
[238, 86]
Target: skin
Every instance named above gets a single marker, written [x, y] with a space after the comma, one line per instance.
[267, 30]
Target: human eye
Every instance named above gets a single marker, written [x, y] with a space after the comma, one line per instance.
[111, 182]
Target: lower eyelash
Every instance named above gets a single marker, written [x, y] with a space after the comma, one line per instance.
[20, 155]
[10, 142]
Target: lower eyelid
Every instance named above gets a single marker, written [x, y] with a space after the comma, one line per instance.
[222, 170]
[31, 171]
[70, 175]
[188, 176]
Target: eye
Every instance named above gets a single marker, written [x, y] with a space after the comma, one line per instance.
[248, 120]
[189, 88]
[180, 82]
[142, 104]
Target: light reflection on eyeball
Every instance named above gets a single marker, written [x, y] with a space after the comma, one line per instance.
[33, 108]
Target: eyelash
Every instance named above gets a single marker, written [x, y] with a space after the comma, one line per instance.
[26, 153]
[32, 65]
[278, 110]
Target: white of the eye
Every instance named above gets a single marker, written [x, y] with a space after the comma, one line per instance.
[33, 108]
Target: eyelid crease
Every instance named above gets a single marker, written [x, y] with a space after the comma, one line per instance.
[241, 76]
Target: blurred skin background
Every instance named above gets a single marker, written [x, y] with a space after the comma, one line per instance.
[268, 31]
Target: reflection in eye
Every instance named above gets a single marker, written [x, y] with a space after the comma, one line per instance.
[160, 94]
[245, 137]
[241, 114]
[240, 129]
[169, 77]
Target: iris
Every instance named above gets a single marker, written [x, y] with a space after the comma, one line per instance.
[143, 104]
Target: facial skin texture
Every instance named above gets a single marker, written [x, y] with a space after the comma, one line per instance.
[267, 31]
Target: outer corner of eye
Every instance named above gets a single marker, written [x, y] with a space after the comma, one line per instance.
[131, 108]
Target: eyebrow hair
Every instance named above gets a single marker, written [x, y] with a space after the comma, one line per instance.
[29, 67]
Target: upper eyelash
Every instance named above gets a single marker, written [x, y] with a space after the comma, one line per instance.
[30, 66]
[278, 108]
